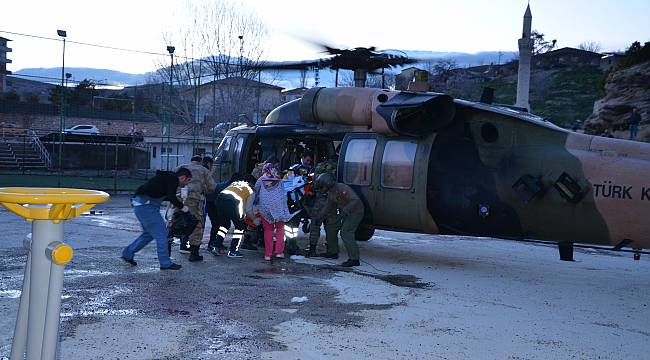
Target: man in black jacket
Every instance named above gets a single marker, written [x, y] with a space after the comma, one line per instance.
[146, 206]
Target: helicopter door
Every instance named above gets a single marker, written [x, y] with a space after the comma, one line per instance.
[358, 154]
[400, 184]
[223, 160]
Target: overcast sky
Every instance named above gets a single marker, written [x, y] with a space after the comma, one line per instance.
[435, 25]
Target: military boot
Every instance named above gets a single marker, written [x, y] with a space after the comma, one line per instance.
[247, 243]
[184, 247]
[194, 253]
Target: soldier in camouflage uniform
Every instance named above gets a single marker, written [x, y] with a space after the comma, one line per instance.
[319, 200]
[344, 211]
[201, 184]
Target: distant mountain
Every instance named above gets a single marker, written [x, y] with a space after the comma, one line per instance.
[287, 79]
[102, 76]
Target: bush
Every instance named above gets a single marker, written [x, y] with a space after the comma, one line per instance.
[636, 54]
[11, 96]
[32, 99]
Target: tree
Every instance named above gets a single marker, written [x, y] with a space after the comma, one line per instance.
[590, 46]
[220, 41]
[11, 96]
[32, 99]
[375, 81]
[82, 94]
[442, 70]
[540, 44]
[636, 54]
[55, 95]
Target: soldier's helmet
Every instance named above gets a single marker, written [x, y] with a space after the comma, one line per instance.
[324, 182]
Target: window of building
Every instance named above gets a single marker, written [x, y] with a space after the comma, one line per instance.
[357, 168]
[154, 152]
[397, 164]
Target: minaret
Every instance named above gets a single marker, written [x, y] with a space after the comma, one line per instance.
[525, 55]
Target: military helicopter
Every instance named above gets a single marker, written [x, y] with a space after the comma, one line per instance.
[361, 60]
[425, 162]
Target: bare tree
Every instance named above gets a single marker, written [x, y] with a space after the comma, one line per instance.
[303, 78]
[346, 78]
[220, 41]
[540, 44]
[592, 46]
[385, 81]
[442, 69]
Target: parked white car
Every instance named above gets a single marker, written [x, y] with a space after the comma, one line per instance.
[82, 130]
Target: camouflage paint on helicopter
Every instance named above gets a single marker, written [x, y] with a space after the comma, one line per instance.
[491, 170]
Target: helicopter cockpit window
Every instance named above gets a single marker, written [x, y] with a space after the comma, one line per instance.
[357, 169]
[224, 149]
[397, 164]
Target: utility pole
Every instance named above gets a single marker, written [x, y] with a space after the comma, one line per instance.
[170, 49]
[241, 56]
[63, 34]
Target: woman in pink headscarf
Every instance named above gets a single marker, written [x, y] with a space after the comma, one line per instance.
[273, 208]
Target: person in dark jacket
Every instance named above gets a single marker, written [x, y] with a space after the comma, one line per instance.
[146, 206]
[215, 245]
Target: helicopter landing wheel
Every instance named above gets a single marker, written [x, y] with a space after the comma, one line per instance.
[364, 233]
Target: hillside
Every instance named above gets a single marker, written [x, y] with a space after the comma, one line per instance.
[562, 95]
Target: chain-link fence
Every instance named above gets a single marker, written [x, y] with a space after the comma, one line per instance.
[41, 157]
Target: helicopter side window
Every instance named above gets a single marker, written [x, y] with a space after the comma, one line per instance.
[397, 164]
[357, 168]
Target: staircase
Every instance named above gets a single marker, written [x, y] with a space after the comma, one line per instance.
[23, 153]
[7, 157]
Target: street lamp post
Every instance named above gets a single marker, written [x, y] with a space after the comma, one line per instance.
[63, 35]
[170, 49]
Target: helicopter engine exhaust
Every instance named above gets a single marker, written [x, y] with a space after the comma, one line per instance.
[417, 114]
[385, 112]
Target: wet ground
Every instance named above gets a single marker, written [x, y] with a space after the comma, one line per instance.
[415, 296]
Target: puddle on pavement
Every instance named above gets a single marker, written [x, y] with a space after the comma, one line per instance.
[274, 271]
[408, 281]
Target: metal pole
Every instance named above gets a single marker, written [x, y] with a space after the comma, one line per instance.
[169, 120]
[116, 157]
[214, 110]
[241, 56]
[53, 312]
[62, 120]
[105, 156]
[162, 129]
[44, 232]
[24, 151]
[258, 117]
[20, 331]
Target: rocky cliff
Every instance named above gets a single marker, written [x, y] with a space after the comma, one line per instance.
[624, 89]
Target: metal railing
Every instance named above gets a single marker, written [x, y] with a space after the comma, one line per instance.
[40, 148]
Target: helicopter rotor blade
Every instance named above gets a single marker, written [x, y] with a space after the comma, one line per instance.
[293, 65]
